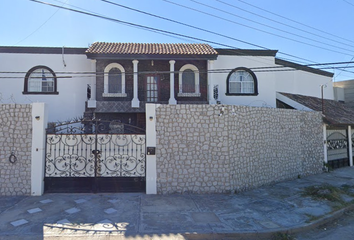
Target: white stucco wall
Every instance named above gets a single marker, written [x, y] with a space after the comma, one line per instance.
[304, 83]
[69, 103]
[269, 82]
[266, 89]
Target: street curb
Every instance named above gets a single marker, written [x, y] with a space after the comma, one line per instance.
[225, 236]
[268, 234]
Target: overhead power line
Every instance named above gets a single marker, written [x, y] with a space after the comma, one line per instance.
[275, 28]
[219, 70]
[164, 32]
[146, 27]
[254, 28]
[201, 29]
[38, 27]
[284, 24]
[133, 24]
[297, 22]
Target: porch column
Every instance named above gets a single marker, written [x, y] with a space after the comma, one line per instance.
[350, 149]
[211, 83]
[135, 101]
[325, 143]
[92, 101]
[172, 99]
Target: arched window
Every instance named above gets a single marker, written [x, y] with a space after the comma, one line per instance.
[241, 81]
[114, 81]
[40, 80]
[189, 81]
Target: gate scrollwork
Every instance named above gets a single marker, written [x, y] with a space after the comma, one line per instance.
[93, 149]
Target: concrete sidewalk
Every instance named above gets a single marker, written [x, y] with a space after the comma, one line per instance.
[254, 214]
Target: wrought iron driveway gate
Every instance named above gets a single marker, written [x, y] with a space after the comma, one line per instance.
[95, 156]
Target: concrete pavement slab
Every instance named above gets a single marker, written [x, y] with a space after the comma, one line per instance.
[267, 209]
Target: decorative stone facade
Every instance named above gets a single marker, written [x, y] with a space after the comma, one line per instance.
[15, 142]
[223, 149]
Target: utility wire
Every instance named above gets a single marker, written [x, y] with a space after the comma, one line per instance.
[280, 52]
[38, 27]
[136, 25]
[257, 29]
[278, 15]
[164, 32]
[284, 24]
[344, 67]
[278, 29]
[194, 27]
[133, 24]
[349, 3]
[184, 24]
[219, 69]
[201, 29]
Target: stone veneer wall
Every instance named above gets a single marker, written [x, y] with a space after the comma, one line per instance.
[205, 149]
[16, 137]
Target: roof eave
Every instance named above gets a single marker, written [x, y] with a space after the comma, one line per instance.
[42, 50]
[303, 67]
[152, 56]
[246, 52]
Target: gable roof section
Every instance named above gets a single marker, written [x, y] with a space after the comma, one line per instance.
[335, 113]
[246, 52]
[42, 50]
[302, 67]
[151, 50]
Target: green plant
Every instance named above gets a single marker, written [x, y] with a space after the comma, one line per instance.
[324, 192]
[327, 167]
[312, 218]
[348, 189]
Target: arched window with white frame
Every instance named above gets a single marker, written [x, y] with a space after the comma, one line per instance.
[40, 80]
[188, 81]
[241, 81]
[114, 81]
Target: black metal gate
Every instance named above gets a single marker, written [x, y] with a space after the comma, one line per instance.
[337, 148]
[95, 156]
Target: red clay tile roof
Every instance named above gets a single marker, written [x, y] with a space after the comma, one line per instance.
[151, 48]
[334, 112]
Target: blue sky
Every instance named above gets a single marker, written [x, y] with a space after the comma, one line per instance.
[323, 31]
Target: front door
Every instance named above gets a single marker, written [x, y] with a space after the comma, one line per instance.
[152, 89]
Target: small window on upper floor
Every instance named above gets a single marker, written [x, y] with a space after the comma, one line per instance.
[189, 81]
[114, 81]
[40, 80]
[241, 81]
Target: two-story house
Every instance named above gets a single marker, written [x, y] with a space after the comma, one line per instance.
[128, 75]
[115, 80]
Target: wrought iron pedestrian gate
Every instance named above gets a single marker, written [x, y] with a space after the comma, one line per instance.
[337, 148]
[95, 156]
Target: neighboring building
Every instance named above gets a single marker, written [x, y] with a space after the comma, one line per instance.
[117, 79]
[344, 92]
[337, 118]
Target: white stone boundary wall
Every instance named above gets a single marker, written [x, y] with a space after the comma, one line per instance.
[223, 149]
[15, 145]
